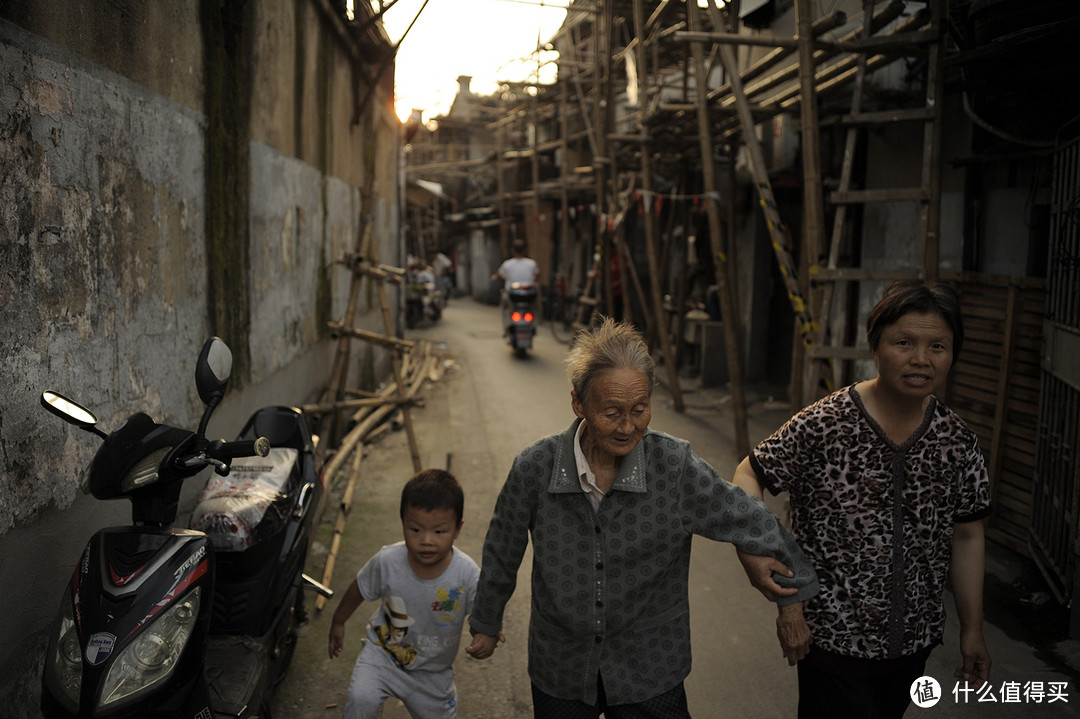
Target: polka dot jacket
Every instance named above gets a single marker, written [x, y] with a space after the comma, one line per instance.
[609, 587]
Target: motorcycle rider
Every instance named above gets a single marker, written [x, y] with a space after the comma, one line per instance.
[518, 268]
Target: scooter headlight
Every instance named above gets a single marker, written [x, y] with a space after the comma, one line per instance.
[63, 665]
[152, 657]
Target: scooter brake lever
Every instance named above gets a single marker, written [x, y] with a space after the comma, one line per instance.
[201, 459]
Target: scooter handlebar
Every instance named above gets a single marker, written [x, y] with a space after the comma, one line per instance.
[226, 451]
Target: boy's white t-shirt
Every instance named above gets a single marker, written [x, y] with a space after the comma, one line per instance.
[418, 622]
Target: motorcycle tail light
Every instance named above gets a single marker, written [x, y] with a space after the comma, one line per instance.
[516, 317]
[528, 316]
[63, 665]
[145, 470]
[151, 658]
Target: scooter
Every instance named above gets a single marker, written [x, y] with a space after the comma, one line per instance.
[423, 301]
[187, 623]
[520, 322]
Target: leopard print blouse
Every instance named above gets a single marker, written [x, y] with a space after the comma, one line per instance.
[876, 519]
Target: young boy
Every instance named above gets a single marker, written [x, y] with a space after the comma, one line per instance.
[426, 589]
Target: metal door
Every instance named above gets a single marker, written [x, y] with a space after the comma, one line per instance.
[1056, 495]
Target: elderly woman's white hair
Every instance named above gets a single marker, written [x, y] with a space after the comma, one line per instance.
[611, 345]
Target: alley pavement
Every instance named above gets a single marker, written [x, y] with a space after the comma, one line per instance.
[467, 424]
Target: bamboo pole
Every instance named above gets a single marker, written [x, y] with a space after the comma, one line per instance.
[777, 229]
[340, 524]
[732, 345]
[349, 404]
[822, 302]
[385, 340]
[655, 278]
[395, 357]
[930, 210]
[813, 202]
[328, 427]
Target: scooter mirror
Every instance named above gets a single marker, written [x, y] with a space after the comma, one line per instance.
[213, 369]
[68, 410]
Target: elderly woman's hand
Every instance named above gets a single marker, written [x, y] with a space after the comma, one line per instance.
[793, 632]
[760, 572]
[483, 645]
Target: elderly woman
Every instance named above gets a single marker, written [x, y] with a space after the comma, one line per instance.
[887, 488]
[612, 507]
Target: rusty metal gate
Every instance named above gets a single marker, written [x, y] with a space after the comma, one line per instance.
[1056, 490]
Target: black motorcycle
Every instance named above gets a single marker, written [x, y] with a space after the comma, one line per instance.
[187, 623]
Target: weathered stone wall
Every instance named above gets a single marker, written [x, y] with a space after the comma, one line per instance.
[168, 171]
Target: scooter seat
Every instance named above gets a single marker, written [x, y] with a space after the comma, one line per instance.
[520, 292]
[250, 503]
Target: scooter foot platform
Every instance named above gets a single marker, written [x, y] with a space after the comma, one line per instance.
[235, 667]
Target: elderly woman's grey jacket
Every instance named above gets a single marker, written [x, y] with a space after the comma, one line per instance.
[609, 587]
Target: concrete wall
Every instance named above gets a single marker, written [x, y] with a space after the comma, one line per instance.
[168, 171]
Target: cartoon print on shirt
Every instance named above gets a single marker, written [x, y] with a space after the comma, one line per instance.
[447, 602]
[392, 634]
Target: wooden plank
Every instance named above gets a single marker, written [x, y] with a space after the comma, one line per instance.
[853, 274]
[847, 353]
[891, 194]
[880, 117]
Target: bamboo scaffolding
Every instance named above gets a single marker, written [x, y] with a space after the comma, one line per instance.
[827, 80]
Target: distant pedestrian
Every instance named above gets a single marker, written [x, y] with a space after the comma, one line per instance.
[426, 588]
[611, 508]
[888, 488]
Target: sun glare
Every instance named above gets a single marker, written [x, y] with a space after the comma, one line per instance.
[488, 41]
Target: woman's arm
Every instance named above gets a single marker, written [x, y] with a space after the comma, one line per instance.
[966, 575]
[504, 547]
[791, 628]
[760, 569]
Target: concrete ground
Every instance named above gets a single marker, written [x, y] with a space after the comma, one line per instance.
[471, 423]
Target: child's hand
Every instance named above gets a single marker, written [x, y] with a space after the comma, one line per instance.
[337, 638]
[483, 645]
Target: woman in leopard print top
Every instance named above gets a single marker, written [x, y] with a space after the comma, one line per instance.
[888, 488]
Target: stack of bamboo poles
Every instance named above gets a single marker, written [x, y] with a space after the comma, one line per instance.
[370, 419]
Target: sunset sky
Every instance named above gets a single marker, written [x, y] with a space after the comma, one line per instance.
[490, 40]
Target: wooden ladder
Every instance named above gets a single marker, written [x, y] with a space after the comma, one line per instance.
[364, 264]
[827, 353]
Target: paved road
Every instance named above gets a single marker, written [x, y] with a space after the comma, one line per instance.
[474, 420]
